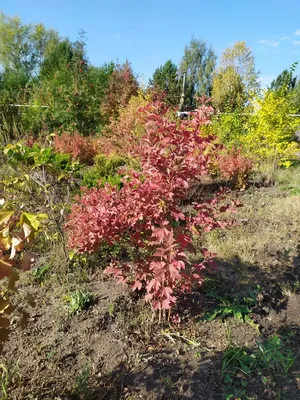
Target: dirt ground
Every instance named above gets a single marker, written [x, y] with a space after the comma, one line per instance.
[117, 349]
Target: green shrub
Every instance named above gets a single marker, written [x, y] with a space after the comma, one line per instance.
[271, 130]
[106, 170]
[92, 178]
[37, 156]
[230, 128]
[109, 165]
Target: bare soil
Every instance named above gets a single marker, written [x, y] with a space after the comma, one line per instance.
[118, 350]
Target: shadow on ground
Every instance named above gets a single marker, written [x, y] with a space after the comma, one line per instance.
[180, 371]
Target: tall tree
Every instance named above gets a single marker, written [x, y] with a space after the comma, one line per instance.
[198, 62]
[236, 78]
[71, 88]
[241, 59]
[296, 96]
[228, 90]
[23, 47]
[165, 78]
[286, 80]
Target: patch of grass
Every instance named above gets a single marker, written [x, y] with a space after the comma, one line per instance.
[78, 301]
[288, 177]
[289, 180]
[263, 226]
[269, 362]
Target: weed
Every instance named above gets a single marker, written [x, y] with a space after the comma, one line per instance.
[271, 355]
[236, 359]
[50, 354]
[111, 309]
[4, 380]
[82, 383]
[236, 307]
[78, 301]
[269, 361]
[6, 377]
[40, 273]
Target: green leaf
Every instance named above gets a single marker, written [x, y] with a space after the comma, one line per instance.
[212, 315]
[237, 312]
[30, 220]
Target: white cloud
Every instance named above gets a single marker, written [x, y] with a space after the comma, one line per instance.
[296, 42]
[271, 43]
[284, 38]
[297, 32]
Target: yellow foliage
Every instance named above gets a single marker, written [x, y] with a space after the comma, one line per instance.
[271, 130]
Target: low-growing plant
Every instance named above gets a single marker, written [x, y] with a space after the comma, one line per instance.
[230, 309]
[269, 361]
[82, 383]
[91, 179]
[78, 301]
[8, 376]
[40, 273]
[235, 167]
[236, 306]
[106, 170]
[274, 355]
[81, 148]
[4, 381]
[107, 165]
[147, 213]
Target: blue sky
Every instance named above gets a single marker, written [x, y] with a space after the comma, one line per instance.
[148, 33]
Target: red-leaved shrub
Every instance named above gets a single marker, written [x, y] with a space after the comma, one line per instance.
[148, 216]
[81, 148]
[234, 166]
[122, 85]
[30, 141]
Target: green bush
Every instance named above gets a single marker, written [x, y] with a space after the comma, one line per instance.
[105, 170]
[37, 156]
[92, 178]
[109, 165]
[271, 129]
[229, 127]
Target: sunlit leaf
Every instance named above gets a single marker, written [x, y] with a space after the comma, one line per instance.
[5, 216]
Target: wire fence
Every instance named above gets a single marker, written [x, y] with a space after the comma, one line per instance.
[179, 113]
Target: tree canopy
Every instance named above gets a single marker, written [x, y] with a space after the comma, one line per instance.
[166, 79]
[198, 62]
[236, 79]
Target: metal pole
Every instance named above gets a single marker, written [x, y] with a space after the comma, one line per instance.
[181, 103]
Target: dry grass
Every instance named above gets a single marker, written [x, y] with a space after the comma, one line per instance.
[268, 224]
